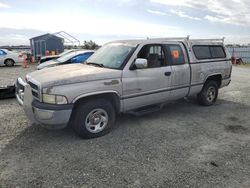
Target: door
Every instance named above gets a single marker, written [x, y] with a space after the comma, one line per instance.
[143, 87]
[180, 81]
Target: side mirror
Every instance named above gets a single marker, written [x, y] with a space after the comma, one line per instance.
[141, 63]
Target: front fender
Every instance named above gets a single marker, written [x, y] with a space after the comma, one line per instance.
[95, 93]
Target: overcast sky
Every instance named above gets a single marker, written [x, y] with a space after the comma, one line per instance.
[105, 20]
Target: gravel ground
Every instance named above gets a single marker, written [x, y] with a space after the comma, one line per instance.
[184, 145]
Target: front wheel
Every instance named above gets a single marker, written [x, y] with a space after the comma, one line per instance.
[93, 118]
[9, 63]
[209, 93]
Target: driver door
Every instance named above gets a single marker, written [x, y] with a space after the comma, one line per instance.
[151, 85]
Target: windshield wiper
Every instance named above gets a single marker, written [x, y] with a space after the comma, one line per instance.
[95, 64]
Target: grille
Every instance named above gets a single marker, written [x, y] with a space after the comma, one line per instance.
[34, 90]
[33, 86]
[35, 94]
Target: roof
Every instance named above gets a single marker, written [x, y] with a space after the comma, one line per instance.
[46, 36]
[180, 39]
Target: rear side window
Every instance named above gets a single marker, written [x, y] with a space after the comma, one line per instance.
[217, 52]
[208, 52]
[176, 55]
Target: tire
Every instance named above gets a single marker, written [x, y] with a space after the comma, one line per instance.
[9, 62]
[209, 93]
[94, 118]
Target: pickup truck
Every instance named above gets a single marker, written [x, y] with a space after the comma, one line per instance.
[132, 76]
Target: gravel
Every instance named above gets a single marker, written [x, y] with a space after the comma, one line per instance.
[183, 145]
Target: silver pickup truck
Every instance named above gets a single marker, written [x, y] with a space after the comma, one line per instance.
[133, 76]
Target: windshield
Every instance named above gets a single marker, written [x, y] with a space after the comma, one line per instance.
[67, 57]
[112, 55]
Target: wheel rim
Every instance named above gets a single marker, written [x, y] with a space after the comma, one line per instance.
[8, 62]
[211, 94]
[96, 120]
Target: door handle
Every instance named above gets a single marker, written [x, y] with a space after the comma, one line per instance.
[168, 73]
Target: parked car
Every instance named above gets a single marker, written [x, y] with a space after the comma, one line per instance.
[79, 56]
[9, 58]
[135, 76]
[50, 57]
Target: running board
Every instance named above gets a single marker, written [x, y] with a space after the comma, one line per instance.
[145, 110]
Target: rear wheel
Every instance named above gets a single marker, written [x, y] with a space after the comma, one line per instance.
[94, 118]
[9, 62]
[209, 93]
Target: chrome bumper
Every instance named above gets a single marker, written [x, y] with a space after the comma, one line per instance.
[56, 117]
[25, 98]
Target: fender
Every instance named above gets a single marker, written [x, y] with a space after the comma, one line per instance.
[95, 93]
[214, 74]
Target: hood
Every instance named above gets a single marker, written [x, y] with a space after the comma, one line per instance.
[73, 73]
[47, 64]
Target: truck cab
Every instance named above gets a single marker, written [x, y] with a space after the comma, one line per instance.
[132, 76]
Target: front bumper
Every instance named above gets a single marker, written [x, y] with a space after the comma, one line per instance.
[47, 115]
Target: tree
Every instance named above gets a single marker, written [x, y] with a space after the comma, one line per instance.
[90, 45]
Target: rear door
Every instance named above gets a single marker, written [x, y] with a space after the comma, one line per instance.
[180, 77]
[142, 87]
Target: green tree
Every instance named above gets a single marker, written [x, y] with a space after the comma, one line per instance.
[90, 45]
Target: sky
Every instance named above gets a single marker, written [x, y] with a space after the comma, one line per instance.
[106, 20]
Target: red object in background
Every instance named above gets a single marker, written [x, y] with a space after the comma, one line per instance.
[25, 61]
[33, 60]
[47, 53]
[176, 54]
[237, 61]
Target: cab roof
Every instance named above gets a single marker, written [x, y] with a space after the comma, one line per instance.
[186, 40]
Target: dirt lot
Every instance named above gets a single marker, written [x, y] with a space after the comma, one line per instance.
[184, 145]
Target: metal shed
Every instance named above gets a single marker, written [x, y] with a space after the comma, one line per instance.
[48, 42]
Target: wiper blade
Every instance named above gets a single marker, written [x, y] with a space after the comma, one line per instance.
[95, 64]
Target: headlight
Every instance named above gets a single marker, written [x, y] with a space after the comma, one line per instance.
[54, 99]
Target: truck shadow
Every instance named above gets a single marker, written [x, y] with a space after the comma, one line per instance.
[35, 137]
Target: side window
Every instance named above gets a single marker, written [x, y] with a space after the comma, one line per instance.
[80, 58]
[217, 52]
[154, 54]
[175, 54]
[202, 52]
[208, 52]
